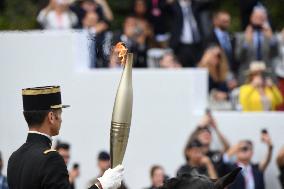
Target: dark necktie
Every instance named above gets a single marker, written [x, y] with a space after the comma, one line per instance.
[258, 45]
[193, 25]
[226, 44]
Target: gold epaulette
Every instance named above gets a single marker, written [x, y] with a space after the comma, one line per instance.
[49, 150]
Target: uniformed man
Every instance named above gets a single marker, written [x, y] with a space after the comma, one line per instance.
[35, 165]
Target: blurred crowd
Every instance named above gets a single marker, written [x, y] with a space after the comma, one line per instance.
[246, 68]
[199, 156]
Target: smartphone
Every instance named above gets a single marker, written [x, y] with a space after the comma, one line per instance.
[76, 166]
[264, 131]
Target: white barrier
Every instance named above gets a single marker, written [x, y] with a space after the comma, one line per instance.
[167, 105]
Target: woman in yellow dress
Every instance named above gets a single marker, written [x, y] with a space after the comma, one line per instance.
[259, 93]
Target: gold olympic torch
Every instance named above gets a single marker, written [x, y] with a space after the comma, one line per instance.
[122, 110]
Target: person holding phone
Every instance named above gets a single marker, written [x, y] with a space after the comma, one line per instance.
[57, 15]
[259, 93]
[257, 43]
[252, 174]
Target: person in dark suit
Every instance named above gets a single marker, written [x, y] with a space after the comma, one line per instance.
[221, 36]
[252, 174]
[257, 43]
[186, 35]
[35, 165]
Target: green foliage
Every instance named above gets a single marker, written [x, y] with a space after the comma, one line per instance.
[21, 14]
[18, 14]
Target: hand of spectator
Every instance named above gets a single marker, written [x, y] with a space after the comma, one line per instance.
[267, 31]
[233, 150]
[257, 82]
[233, 83]
[249, 34]
[100, 27]
[269, 82]
[266, 139]
[204, 121]
[112, 178]
[73, 174]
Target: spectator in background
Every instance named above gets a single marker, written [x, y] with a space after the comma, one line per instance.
[157, 177]
[185, 35]
[157, 14]
[140, 12]
[221, 36]
[252, 176]
[64, 150]
[280, 164]
[99, 39]
[214, 60]
[103, 163]
[135, 35]
[100, 7]
[257, 42]
[246, 7]
[57, 15]
[203, 133]
[169, 61]
[3, 179]
[195, 159]
[259, 93]
[140, 9]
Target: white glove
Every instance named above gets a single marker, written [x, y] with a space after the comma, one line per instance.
[112, 178]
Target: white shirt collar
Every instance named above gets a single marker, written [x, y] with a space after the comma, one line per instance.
[39, 133]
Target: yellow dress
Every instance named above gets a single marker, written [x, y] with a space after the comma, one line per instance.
[251, 100]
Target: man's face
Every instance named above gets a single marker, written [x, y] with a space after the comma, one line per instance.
[223, 21]
[103, 165]
[194, 154]
[130, 25]
[158, 178]
[258, 17]
[90, 19]
[205, 137]
[65, 154]
[55, 121]
[245, 152]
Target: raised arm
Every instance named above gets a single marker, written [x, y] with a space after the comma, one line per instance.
[106, 9]
[280, 158]
[264, 163]
[221, 137]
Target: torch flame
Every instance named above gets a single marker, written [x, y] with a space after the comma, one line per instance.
[121, 50]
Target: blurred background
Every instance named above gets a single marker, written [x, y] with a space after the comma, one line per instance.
[208, 85]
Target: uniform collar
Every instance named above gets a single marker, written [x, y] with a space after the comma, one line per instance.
[38, 137]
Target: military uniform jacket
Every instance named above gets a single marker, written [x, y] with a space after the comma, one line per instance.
[35, 166]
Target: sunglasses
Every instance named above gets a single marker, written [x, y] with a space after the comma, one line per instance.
[245, 149]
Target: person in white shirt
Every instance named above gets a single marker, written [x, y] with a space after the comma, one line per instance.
[57, 16]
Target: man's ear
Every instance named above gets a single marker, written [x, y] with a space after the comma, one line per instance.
[227, 179]
[50, 117]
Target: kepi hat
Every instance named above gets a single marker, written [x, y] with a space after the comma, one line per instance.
[42, 98]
